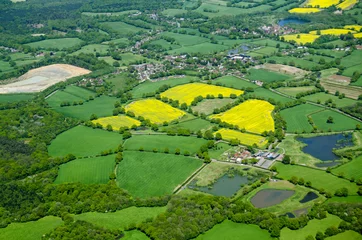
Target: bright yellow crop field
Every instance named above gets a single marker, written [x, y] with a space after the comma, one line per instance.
[347, 4]
[357, 35]
[154, 110]
[303, 38]
[353, 27]
[188, 92]
[304, 10]
[253, 115]
[333, 31]
[321, 3]
[245, 138]
[117, 121]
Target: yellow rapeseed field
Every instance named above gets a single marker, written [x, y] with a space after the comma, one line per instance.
[245, 138]
[188, 92]
[353, 27]
[347, 4]
[304, 10]
[117, 121]
[357, 35]
[321, 3]
[253, 115]
[302, 39]
[333, 31]
[154, 110]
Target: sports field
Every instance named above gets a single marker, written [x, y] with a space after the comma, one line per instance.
[352, 169]
[319, 179]
[30, 230]
[228, 230]
[83, 141]
[117, 122]
[188, 92]
[160, 142]
[154, 110]
[245, 138]
[93, 170]
[145, 174]
[253, 115]
[266, 76]
[60, 43]
[122, 218]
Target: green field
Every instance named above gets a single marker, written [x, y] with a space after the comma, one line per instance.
[94, 170]
[319, 179]
[160, 142]
[185, 39]
[297, 117]
[266, 76]
[323, 97]
[312, 228]
[199, 48]
[348, 199]
[93, 48]
[134, 235]
[122, 218]
[145, 174]
[228, 230]
[235, 82]
[8, 98]
[218, 10]
[341, 122]
[208, 105]
[220, 149]
[349, 234]
[193, 125]
[270, 42]
[123, 28]
[30, 230]
[60, 43]
[172, 12]
[83, 141]
[294, 61]
[265, 51]
[293, 91]
[265, 93]
[351, 60]
[70, 94]
[350, 169]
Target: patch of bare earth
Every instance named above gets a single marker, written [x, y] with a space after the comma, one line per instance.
[285, 69]
[339, 79]
[350, 91]
[39, 79]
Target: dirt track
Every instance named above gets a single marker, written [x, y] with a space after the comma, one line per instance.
[38, 79]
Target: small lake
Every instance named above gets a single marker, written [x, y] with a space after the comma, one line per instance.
[321, 147]
[309, 197]
[241, 49]
[225, 186]
[269, 197]
[286, 21]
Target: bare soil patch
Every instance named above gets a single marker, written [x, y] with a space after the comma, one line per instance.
[38, 79]
[350, 91]
[340, 79]
[283, 69]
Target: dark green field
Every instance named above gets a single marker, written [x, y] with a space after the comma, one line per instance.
[266, 76]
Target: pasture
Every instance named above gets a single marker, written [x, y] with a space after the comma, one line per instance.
[122, 28]
[323, 97]
[117, 122]
[122, 218]
[30, 230]
[135, 235]
[235, 82]
[293, 91]
[351, 169]
[93, 48]
[253, 115]
[145, 174]
[161, 142]
[199, 48]
[83, 141]
[353, 59]
[185, 39]
[319, 179]
[9, 98]
[70, 94]
[207, 106]
[154, 110]
[266, 76]
[231, 230]
[214, 10]
[193, 125]
[340, 121]
[188, 92]
[267, 94]
[349, 234]
[57, 43]
[244, 138]
[93, 170]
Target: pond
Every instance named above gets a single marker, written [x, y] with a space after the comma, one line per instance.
[269, 197]
[225, 186]
[289, 215]
[286, 21]
[321, 147]
[309, 197]
[241, 49]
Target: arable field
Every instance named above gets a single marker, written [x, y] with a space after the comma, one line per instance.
[83, 141]
[244, 138]
[154, 110]
[122, 218]
[352, 169]
[340, 121]
[8, 98]
[319, 179]
[93, 170]
[60, 43]
[253, 115]
[228, 230]
[301, 38]
[208, 105]
[235, 82]
[161, 142]
[304, 10]
[117, 122]
[188, 92]
[30, 230]
[321, 3]
[333, 31]
[145, 174]
[266, 76]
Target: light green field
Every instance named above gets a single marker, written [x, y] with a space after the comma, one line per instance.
[319, 179]
[220, 149]
[228, 230]
[312, 228]
[348, 199]
[349, 234]
[193, 125]
[134, 235]
[298, 62]
[297, 117]
[60, 43]
[93, 48]
[30, 230]
[145, 174]
[323, 97]
[184, 39]
[265, 93]
[8, 98]
[350, 169]
[160, 142]
[266, 51]
[208, 105]
[128, 58]
[70, 94]
[266, 76]
[270, 42]
[227, 11]
[235, 82]
[109, 13]
[122, 218]
[5, 66]
[84, 141]
[173, 12]
[341, 122]
[353, 59]
[293, 91]
[199, 48]
[123, 28]
[94, 170]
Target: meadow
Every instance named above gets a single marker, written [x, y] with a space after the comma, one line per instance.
[93, 48]
[60, 43]
[93, 170]
[351, 169]
[145, 174]
[244, 138]
[323, 97]
[134, 235]
[185, 39]
[160, 142]
[353, 59]
[235, 82]
[293, 91]
[117, 122]
[267, 94]
[193, 125]
[349, 234]
[207, 106]
[266, 76]
[188, 92]
[253, 115]
[319, 179]
[218, 10]
[340, 121]
[122, 28]
[9, 98]
[154, 110]
[199, 48]
[70, 94]
[83, 141]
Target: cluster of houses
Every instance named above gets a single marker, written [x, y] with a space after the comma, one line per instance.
[276, 29]
[86, 82]
[145, 70]
[263, 159]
